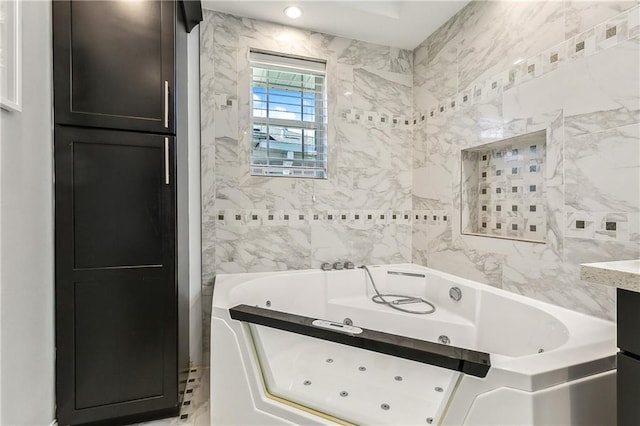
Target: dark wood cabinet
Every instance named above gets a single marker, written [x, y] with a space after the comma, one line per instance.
[121, 209]
[628, 313]
[116, 312]
[114, 63]
[628, 375]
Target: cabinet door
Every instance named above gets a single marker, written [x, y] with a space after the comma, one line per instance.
[628, 377]
[116, 312]
[114, 64]
[628, 314]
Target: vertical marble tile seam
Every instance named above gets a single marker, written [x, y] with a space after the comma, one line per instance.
[449, 32]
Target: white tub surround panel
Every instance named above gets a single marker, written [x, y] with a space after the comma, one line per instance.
[509, 351]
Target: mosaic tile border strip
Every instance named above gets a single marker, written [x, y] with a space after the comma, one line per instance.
[192, 387]
[194, 409]
[605, 226]
[605, 35]
[377, 119]
[264, 217]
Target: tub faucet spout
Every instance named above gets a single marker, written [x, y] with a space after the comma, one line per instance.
[348, 265]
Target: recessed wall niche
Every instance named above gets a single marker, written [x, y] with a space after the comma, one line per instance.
[503, 189]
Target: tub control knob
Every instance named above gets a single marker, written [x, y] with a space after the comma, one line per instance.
[325, 266]
[455, 293]
[337, 266]
[349, 265]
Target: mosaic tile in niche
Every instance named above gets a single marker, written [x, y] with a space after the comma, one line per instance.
[522, 159]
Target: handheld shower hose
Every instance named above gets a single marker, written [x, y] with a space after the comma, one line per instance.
[401, 299]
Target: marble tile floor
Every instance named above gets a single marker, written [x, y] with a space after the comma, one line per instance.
[195, 406]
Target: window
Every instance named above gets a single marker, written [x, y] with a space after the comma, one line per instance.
[288, 117]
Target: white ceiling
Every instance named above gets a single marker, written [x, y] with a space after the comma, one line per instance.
[403, 24]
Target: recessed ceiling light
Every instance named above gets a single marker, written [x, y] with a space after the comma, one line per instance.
[293, 12]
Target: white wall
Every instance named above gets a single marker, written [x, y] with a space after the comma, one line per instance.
[26, 213]
[195, 291]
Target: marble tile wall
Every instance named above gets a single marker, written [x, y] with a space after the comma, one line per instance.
[398, 121]
[362, 213]
[502, 69]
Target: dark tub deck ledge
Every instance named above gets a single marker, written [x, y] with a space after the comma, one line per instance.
[466, 361]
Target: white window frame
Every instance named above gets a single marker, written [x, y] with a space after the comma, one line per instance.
[269, 156]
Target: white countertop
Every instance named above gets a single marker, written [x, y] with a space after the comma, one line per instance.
[623, 274]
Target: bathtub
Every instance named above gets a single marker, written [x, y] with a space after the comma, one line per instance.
[311, 347]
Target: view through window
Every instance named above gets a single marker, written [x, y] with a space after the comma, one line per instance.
[288, 116]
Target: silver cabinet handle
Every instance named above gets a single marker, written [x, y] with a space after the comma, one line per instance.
[166, 161]
[166, 104]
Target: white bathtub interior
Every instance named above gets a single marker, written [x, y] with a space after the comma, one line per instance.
[351, 384]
